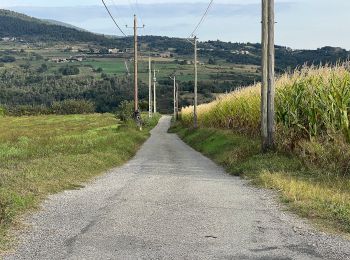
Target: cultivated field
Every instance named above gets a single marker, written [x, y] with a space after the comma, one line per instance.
[312, 166]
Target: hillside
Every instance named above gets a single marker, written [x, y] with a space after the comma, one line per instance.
[30, 29]
[54, 22]
[37, 61]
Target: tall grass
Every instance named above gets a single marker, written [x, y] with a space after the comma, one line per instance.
[311, 168]
[312, 113]
[40, 155]
[309, 192]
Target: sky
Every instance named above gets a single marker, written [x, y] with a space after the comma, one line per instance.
[301, 24]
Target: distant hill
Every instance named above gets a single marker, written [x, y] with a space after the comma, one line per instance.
[249, 53]
[31, 29]
[21, 26]
[54, 22]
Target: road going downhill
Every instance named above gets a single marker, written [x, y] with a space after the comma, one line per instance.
[170, 202]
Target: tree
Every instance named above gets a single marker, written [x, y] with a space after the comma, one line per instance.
[212, 61]
[42, 68]
[69, 70]
[7, 59]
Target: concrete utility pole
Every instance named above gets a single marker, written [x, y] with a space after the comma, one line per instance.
[136, 95]
[177, 101]
[195, 117]
[154, 92]
[174, 79]
[149, 87]
[268, 75]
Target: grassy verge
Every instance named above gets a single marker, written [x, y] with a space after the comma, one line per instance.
[310, 192]
[46, 154]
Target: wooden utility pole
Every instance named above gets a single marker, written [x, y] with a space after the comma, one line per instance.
[195, 116]
[271, 77]
[264, 41]
[136, 95]
[177, 101]
[136, 89]
[154, 92]
[268, 75]
[149, 87]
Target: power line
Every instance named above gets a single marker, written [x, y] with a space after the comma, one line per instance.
[202, 19]
[113, 18]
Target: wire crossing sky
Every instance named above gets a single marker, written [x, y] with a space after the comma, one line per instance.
[301, 24]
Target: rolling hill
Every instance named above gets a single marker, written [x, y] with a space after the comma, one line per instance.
[30, 29]
[31, 74]
[55, 22]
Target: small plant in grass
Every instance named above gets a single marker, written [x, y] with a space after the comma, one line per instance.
[2, 111]
[125, 111]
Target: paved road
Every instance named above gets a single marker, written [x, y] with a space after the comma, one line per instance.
[170, 202]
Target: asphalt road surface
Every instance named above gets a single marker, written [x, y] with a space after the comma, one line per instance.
[170, 202]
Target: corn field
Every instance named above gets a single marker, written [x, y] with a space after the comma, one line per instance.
[310, 102]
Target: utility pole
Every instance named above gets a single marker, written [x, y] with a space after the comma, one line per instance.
[177, 101]
[149, 87]
[271, 77]
[264, 41]
[174, 79]
[136, 89]
[268, 76]
[195, 116]
[154, 91]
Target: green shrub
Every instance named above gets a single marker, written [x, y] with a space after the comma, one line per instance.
[7, 59]
[150, 122]
[125, 111]
[27, 110]
[2, 111]
[69, 70]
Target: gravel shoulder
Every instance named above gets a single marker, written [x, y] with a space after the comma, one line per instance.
[171, 202]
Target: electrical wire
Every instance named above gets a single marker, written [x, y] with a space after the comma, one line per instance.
[110, 14]
[202, 19]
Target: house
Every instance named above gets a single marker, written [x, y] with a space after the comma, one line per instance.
[76, 58]
[166, 54]
[113, 51]
[8, 39]
[242, 52]
[59, 60]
